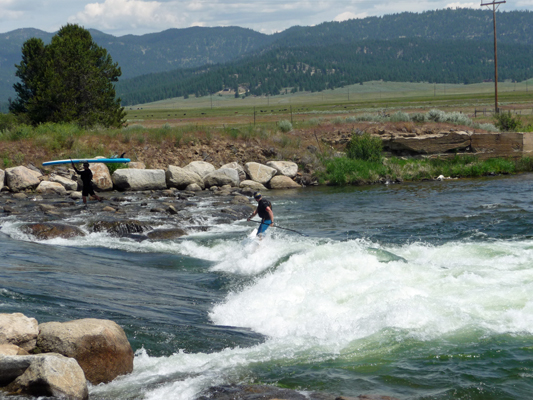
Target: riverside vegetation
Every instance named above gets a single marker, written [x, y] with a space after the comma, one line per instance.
[359, 161]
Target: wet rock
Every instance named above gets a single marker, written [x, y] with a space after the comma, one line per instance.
[283, 182]
[75, 195]
[239, 199]
[166, 234]
[21, 178]
[221, 177]
[51, 230]
[2, 178]
[100, 347]
[285, 168]
[108, 209]
[194, 187]
[47, 375]
[46, 207]
[252, 185]
[259, 172]
[47, 187]
[20, 196]
[181, 178]
[120, 228]
[172, 210]
[17, 329]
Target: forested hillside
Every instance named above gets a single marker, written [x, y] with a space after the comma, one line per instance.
[329, 67]
[443, 46]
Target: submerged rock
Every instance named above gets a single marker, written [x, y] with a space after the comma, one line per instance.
[165, 234]
[51, 230]
[120, 228]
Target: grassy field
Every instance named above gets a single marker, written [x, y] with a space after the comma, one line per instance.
[476, 100]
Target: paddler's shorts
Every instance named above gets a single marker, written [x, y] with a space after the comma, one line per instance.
[264, 226]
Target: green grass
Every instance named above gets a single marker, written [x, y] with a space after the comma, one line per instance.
[342, 170]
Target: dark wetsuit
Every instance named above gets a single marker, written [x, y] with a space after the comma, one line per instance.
[86, 177]
[263, 213]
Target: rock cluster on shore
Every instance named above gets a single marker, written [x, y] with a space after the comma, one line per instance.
[57, 359]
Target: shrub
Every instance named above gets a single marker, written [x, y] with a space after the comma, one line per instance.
[285, 126]
[400, 116]
[506, 122]
[364, 147]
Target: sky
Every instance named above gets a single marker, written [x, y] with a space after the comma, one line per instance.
[138, 17]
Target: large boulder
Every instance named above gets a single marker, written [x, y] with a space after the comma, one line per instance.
[139, 179]
[238, 167]
[2, 178]
[22, 178]
[283, 182]
[19, 330]
[68, 184]
[181, 178]
[47, 187]
[100, 346]
[286, 168]
[202, 168]
[259, 172]
[221, 177]
[101, 176]
[252, 185]
[47, 375]
[51, 230]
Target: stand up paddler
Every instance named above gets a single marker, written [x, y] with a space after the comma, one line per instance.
[264, 209]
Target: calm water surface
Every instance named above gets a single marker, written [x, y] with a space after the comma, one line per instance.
[416, 291]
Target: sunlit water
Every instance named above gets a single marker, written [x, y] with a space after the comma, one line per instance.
[417, 291]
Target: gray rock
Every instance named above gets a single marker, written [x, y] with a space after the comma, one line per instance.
[202, 168]
[47, 187]
[221, 177]
[286, 168]
[50, 375]
[68, 184]
[19, 330]
[259, 172]
[139, 179]
[181, 178]
[22, 178]
[100, 346]
[238, 167]
[2, 178]
[194, 187]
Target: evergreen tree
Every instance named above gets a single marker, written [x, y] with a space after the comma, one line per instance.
[69, 80]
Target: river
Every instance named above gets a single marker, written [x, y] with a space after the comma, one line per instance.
[415, 290]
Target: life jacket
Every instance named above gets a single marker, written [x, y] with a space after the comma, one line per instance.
[261, 209]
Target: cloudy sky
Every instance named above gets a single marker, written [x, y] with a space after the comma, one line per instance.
[121, 17]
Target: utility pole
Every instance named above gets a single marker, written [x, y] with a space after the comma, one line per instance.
[495, 5]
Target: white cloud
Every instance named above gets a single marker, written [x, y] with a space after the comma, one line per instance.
[120, 14]
[462, 5]
[349, 15]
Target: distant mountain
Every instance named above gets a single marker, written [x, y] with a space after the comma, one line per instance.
[176, 55]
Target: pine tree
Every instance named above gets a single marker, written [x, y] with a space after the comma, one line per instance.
[69, 80]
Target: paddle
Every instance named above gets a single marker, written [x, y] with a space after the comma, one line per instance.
[279, 227]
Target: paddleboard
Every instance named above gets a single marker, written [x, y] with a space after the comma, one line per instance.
[88, 160]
